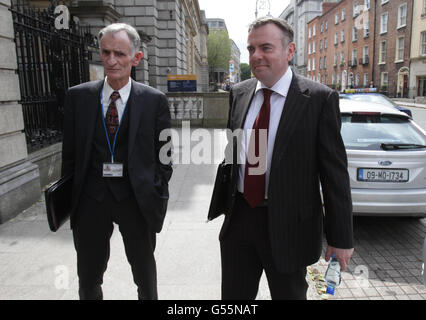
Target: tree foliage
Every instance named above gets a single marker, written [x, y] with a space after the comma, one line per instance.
[218, 49]
[245, 71]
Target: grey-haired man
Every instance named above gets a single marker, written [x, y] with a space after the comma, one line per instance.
[111, 145]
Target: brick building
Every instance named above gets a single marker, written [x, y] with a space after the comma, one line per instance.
[340, 45]
[392, 43]
[362, 43]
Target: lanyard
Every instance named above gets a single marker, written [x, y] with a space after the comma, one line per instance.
[111, 149]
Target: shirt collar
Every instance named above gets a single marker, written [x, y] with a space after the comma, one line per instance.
[281, 86]
[124, 91]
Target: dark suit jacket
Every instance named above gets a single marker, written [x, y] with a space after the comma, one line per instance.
[308, 149]
[149, 115]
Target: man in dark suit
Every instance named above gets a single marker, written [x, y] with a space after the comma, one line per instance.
[291, 144]
[111, 145]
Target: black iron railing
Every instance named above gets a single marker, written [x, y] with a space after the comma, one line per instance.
[49, 62]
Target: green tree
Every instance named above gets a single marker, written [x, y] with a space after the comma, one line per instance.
[218, 50]
[245, 71]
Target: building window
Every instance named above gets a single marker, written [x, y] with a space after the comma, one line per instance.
[309, 48]
[321, 27]
[365, 80]
[326, 24]
[313, 47]
[320, 63]
[424, 8]
[382, 54]
[423, 44]
[333, 78]
[336, 18]
[399, 55]
[321, 44]
[309, 64]
[366, 4]
[342, 58]
[357, 80]
[343, 14]
[365, 54]
[354, 10]
[384, 1]
[366, 29]
[402, 15]
[310, 33]
[354, 34]
[335, 59]
[354, 54]
[384, 22]
[325, 62]
[384, 79]
[342, 36]
[335, 38]
[314, 30]
[325, 43]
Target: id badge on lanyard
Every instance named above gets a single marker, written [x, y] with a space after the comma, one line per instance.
[111, 169]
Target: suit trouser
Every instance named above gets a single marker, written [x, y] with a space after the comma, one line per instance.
[246, 252]
[92, 232]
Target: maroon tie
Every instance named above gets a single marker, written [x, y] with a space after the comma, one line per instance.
[111, 118]
[254, 184]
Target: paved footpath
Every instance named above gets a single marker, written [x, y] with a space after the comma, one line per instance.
[38, 264]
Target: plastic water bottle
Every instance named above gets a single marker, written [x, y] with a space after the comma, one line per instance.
[333, 276]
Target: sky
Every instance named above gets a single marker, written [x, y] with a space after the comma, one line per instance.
[238, 14]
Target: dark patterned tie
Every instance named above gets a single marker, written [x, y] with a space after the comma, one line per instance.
[111, 118]
[254, 184]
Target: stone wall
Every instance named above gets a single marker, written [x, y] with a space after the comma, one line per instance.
[19, 178]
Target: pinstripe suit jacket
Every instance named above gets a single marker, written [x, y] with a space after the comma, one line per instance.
[308, 150]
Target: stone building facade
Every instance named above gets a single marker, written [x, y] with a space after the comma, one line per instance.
[19, 178]
[174, 33]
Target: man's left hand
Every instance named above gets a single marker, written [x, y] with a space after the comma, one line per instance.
[343, 255]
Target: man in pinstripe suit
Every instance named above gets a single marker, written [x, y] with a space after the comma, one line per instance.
[275, 220]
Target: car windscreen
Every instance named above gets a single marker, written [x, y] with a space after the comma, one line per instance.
[371, 131]
[373, 98]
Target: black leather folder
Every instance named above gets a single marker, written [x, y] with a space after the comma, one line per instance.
[219, 200]
[58, 202]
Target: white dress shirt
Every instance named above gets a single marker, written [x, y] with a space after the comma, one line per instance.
[280, 91]
[121, 102]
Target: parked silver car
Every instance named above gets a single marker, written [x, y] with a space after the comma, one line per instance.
[386, 160]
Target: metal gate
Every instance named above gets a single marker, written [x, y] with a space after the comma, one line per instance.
[49, 62]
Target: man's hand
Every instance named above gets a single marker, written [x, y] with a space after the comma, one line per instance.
[343, 255]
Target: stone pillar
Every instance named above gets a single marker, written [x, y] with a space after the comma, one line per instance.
[19, 178]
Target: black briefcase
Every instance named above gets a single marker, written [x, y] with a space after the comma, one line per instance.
[58, 198]
[219, 200]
